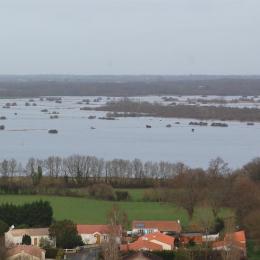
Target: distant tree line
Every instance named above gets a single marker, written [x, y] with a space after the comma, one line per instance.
[81, 170]
[33, 86]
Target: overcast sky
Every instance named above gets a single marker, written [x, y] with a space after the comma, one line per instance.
[129, 36]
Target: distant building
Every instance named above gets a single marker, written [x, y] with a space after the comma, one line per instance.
[236, 240]
[96, 234]
[25, 252]
[141, 245]
[147, 227]
[15, 236]
[151, 242]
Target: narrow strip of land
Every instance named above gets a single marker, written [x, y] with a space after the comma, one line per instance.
[129, 108]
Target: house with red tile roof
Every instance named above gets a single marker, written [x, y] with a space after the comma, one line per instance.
[147, 226]
[96, 234]
[235, 240]
[238, 236]
[25, 252]
[141, 245]
[14, 236]
[167, 242]
[151, 242]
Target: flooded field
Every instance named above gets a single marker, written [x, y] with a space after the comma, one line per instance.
[27, 123]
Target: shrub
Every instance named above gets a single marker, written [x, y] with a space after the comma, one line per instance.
[51, 253]
[60, 255]
[157, 195]
[26, 240]
[45, 243]
[3, 227]
[122, 195]
[191, 243]
[193, 253]
[101, 191]
[219, 225]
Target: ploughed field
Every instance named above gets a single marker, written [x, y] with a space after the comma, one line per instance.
[90, 211]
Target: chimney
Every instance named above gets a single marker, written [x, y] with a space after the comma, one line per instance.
[11, 228]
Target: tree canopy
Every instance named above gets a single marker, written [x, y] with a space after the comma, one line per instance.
[35, 214]
[66, 234]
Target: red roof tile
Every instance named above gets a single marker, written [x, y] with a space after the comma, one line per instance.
[159, 237]
[141, 245]
[236, 239]
[91, 229]
[102, 229]
[238, 236]
[160, 225]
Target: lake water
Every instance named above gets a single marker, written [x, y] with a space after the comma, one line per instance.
[26, 135]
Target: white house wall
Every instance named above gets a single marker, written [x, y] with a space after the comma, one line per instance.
[88, 239]
[164, 245]
[11, 240]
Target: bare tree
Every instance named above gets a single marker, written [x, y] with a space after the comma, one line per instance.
[117, 219]
[138, 169]
[4, 168]
[31, 166]
[57, 166]
[12, 167]
[49, 165]
[218, 167]
[192, 190]
[232, 252]
[245, 197]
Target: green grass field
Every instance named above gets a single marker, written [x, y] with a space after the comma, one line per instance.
[90, 211]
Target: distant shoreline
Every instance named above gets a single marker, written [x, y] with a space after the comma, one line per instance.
[126, 85]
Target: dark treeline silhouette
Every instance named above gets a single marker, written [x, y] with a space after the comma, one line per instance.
[35, 214]
[126, 108]
[31, 86]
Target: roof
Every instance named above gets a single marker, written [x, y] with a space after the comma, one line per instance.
[225, 244]
[160, 225]
[142, 256]
[159, 237]
[30, 232]
[30, 250]
[141, 245]
[236, 239]
[238, 236]
[91, 229]
[146, 242]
